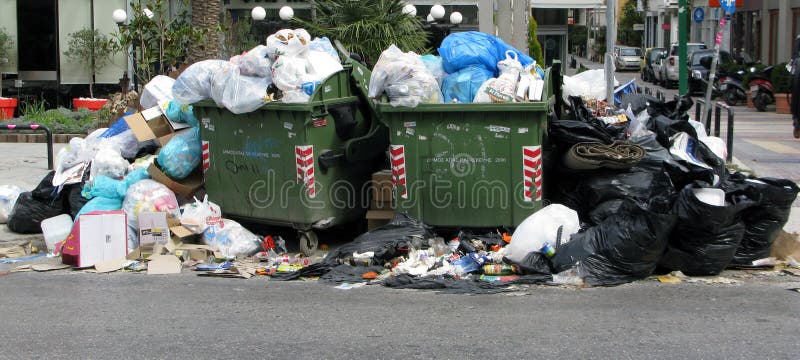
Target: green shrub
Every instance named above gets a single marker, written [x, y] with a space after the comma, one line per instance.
[781, 79]
[60, 120]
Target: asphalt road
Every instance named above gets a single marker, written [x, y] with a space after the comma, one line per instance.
[68, 315]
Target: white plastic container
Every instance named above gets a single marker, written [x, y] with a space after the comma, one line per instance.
[714, 197]
[56, 229]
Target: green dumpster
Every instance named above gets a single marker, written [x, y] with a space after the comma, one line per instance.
[468, 165]
[300, 165]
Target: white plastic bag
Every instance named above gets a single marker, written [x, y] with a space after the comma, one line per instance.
[8, 197]
[231, 239]
[157, 90]
[200, 215]
[590, 84]
[244, 94]
[323, 65]
[149, 195]
[255, 62]
[289, 72]
[194, 84]
[404, 78]
[287, 42]
[539, 232]
[109, 162]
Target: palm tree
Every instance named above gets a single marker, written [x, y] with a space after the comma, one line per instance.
[205, 16]
[367, 27]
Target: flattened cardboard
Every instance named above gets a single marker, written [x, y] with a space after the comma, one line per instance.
[186, 187]
[164, 264]
[110, 265]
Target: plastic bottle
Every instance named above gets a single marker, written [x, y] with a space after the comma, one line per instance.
[438, 246]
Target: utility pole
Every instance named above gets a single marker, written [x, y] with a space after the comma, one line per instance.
[683, 26]
[611, 39]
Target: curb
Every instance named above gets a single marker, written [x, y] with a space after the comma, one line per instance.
[37, 138]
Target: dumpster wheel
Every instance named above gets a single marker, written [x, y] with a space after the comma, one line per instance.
[308, 242]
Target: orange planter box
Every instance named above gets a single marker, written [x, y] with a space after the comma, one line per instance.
[7, 106]
[91, 104]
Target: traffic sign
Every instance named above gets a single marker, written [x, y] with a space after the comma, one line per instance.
[728, 5]
[698, 15]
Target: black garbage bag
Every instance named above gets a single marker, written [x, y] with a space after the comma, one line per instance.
[566, 133]
[73, 200]
[45, 190]
[674, 109]
[665, 128]
[535, 263]
[706, 236]
[605, 210]
[28, 213]
[621, 249]
[697, 162]
[654, 189]
[764, 221]
[386, 242]
[473, 286]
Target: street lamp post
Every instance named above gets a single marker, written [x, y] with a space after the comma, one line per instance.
[258, 14]
[432, 22]
[120, 16]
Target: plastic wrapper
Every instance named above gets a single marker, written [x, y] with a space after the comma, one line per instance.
[149, 195]
[462, 49]
[195, 83]
[116, 128]
[434, 65]
[157, 90]
[621, 249]
[200, 215]
[462, 85]
[231, 239]
[323, 44]
[764, 221]
[255, 62]
[707, 236]
[106, 193]
[181, 155]
[404, 78]
[543, 231]
[8, 197]
[109, 162]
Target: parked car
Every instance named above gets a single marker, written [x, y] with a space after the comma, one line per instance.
[628, 58]
[699, 68]
[658, 68]
[671, 63]
[650, 56]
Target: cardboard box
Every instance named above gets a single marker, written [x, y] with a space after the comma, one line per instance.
[377, 218]
[382, 189]
[152, 124]
[186, 187]
[153, 228]
[97, 237]
[376, 223]
[381, 205]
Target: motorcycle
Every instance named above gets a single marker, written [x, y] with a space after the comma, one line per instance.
[732, 88]
[761, 90]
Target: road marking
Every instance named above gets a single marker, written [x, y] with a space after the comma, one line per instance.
[775, 147]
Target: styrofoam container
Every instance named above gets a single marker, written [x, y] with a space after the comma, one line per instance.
[713, 197]
[56, 229]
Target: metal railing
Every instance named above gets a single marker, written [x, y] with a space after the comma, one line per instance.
[48, 133]
[717, 111]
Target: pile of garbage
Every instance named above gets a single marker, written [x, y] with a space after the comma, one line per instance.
[633, 192]
[473, 68]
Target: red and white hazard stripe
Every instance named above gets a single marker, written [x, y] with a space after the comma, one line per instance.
[532, 172]
[398, 158]
[206, 157]
[304, 157]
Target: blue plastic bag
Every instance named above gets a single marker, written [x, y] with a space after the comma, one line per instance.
[181, 154]
[180, 113]
[464, 84]
[108, 194]
[434, 64]
[323, 44]
[463, 49]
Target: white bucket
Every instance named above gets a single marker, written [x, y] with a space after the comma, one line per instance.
[56, 229]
